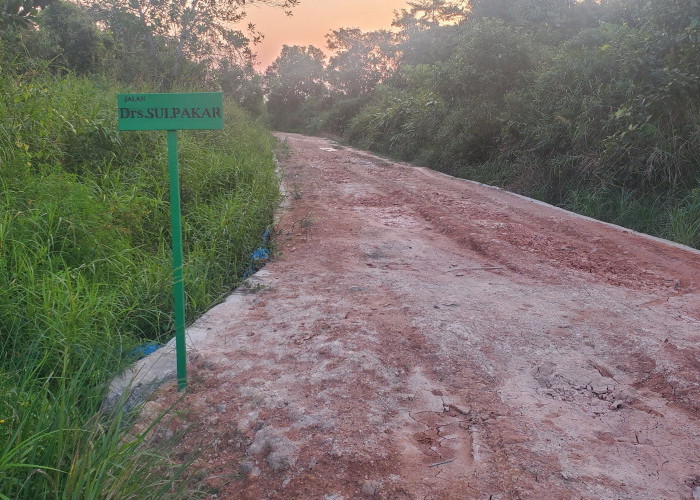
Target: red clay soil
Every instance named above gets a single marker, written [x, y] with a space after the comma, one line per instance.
[420, 336]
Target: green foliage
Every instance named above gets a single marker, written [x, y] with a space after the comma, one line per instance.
[85, 267]
[489, 60]
[424, 15]
[335, 116]
[135, 50]
[682, 222]
[74, 41]
[394, 123]
[361, 61]
[295, 86]
[554, 19]
[243, 85]
[85, 272]
[428, 30]
[177, 31]
[674, 219]
[50, 447]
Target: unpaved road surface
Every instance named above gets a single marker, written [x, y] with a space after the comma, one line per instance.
[424, 337]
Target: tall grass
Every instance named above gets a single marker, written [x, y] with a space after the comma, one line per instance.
[676, 219]
[54, 443]
[85, 272]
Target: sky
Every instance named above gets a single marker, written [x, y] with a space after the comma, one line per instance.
[313, 19]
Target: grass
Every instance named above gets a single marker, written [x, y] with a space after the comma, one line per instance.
[52, 448]
[85, 273]
[683, 220]
[673, 219]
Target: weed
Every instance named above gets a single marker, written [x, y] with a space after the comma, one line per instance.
[683, 222]
[307, 221]
[256, 288]
[282, 150]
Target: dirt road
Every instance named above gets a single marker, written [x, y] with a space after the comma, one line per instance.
[420, 337]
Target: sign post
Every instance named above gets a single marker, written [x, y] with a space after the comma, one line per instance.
[173, 112]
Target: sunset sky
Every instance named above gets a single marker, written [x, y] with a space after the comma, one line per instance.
[312, 19]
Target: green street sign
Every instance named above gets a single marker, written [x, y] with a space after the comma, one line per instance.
[185, 111]
[173, 112]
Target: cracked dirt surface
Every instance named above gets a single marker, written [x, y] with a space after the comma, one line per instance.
[424, 337]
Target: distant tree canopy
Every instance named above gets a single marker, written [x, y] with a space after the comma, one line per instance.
[71, 37]
[167, 43]
[294, 79]
[593, 105]
[361, 60]
[426, 14]
[193, 29]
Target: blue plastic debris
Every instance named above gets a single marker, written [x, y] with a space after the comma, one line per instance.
[144, 350]
[261, 254]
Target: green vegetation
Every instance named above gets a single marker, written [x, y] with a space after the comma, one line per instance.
[177, 31]
[85, 266]
[593, 106]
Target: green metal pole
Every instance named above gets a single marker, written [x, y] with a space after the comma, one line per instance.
[178, 279]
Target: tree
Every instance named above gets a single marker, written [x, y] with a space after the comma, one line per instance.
[490, 59]
[566, 17]
[194, 28]
[427, 14]
[74, 34]
[361, 60]
[428, 30]
[243, 84]
[293, 79]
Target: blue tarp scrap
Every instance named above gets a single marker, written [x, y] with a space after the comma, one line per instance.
[144, 350]
[260, 255]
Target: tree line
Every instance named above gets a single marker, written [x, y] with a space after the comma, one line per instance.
[590, 105]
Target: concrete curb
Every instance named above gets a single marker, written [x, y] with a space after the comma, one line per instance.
[144, 377]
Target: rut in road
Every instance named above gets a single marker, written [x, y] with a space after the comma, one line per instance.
[420, 336]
